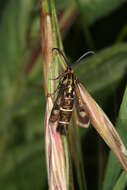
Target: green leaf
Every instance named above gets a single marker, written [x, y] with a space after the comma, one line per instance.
[93, 10]
[63, 5]
[121, 182]
[13, 33]
[102, 73]
[113, 168]
[21, 127]
[22, 168]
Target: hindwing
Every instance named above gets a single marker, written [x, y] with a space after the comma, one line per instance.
[82, 116]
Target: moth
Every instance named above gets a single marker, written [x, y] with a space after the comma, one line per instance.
[68, 97]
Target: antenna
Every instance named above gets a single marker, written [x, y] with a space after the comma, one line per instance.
[84, 55]
[60, 52]
[78, 60]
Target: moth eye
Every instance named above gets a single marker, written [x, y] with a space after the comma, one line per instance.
[82, 113]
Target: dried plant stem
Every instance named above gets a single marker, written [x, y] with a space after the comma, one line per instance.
[56, 148]
[58, 160]
[46, 41]
[104, 127]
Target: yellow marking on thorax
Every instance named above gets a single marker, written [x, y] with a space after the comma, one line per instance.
[70, 89]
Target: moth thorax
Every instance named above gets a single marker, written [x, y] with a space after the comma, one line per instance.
[69, 88]
[69, 81]
[65, 81]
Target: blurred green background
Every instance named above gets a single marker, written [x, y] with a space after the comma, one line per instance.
[85, 25]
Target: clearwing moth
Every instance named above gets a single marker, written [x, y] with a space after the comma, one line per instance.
[68, 97]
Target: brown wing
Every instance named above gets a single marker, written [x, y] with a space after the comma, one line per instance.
[56, 108]
[82, 116]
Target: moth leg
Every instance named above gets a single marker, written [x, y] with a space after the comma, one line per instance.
[59, 76]
[57, 88]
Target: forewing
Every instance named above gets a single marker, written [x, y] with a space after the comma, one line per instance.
[82, 116]
[56, 108]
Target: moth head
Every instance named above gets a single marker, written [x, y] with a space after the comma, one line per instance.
[70, 70]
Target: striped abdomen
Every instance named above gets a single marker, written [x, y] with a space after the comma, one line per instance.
[66, 107]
